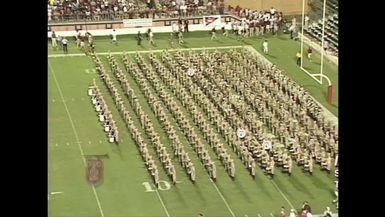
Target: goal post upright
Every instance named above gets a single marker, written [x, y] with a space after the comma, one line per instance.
[320, 75]
[323, 38]
[303, 23]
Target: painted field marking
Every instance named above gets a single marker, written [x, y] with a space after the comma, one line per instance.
[161, 201]
[56, 192]
[271, 214]
[76, 136]
[259, 215]
[150, 187]
[221, 195]
[283, 195]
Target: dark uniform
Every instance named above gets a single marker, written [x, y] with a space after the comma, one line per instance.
[139, 38]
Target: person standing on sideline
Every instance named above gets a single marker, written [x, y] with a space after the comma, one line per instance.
[213, 34]
[139, 38]
[113, 37]
[151, 37]
[90, 39]
[186, 25]
[298, 55]
[225, 31]
[53, 39]
[282, 213]
[65, 45]
[309, 52]
[265, 46]
[180, 37]
[307, 19]
[327, 212]
[306, 206]
[292, 213]
[77, 37]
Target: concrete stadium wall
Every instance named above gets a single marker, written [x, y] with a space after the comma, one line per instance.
[125, 31]
[158, 26]
[288, 7]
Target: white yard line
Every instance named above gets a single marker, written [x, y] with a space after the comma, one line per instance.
[283, 195]
[148, 51]
[221, 195]
[161, 201]
[76, 136]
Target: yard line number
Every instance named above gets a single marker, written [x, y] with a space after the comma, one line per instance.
[150, 187]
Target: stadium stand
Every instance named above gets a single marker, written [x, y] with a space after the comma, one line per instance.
[102, 10]
[331, 24]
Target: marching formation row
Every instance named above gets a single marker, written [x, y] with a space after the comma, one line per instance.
[105, 116]
[236, 101]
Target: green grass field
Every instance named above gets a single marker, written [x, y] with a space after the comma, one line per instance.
[74, 129]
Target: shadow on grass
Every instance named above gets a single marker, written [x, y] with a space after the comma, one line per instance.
[261, 184]
[295, 181]
[241, 189]
[198, 190]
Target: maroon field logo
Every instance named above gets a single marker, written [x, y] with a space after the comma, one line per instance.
[94, 171]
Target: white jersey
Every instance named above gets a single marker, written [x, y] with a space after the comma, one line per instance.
[265, 45]
[114, 36]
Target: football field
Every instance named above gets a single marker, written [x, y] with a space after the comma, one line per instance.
[126, 190]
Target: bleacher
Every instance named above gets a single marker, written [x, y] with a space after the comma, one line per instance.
[331, 25]
[101, 10]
